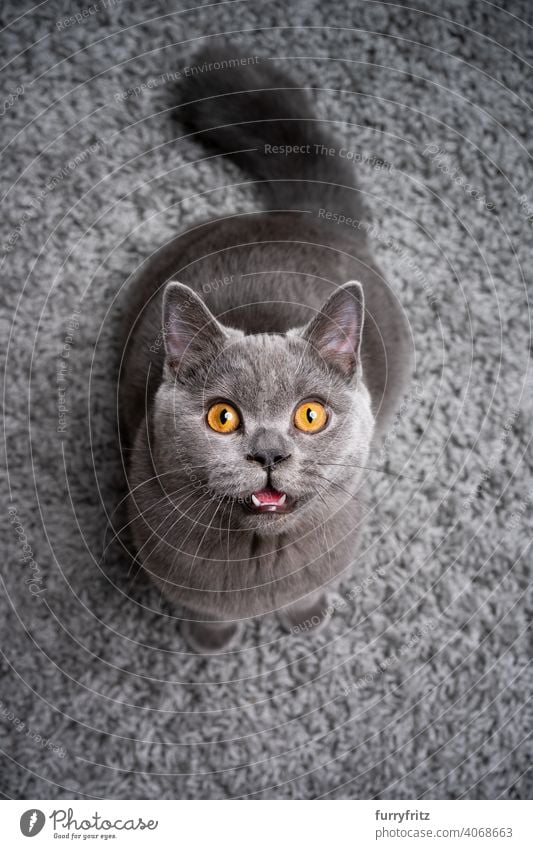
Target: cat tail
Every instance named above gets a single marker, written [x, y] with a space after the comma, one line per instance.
[247, 106]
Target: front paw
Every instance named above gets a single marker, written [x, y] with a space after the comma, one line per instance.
[310, 614]
[210, 637]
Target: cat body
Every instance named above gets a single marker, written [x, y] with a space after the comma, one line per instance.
[272, 310]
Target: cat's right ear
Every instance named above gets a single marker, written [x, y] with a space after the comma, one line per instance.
[191, 332]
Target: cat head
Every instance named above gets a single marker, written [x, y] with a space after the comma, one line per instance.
[269, 424]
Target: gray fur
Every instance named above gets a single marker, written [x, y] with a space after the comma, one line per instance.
[94, 664]
[263, 340]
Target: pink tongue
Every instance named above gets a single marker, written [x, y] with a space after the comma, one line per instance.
[268, 496]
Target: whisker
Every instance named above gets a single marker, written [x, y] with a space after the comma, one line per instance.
[229, 532]
[201, 541]
[131, 490]
[334, 483]
[324, 531]
[373, 469]
[139, 514]
[154, 531]
[180, 549]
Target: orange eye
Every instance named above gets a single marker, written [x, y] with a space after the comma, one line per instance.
[310, 417]
[223, 418]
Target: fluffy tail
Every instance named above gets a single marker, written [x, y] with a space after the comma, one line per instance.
[246, 106]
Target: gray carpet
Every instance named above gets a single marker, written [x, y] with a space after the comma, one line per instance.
[419, 687]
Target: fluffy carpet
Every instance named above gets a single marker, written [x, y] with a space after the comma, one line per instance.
[418, 688]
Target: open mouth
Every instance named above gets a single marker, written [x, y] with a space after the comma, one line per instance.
[270, 501]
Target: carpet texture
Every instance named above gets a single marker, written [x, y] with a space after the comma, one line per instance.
[419, 686]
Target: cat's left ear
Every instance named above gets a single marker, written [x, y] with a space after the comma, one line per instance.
[192, 334]
[336, 331]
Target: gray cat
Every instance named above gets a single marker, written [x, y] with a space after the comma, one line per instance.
[253, 390]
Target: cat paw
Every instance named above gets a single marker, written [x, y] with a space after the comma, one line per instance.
[309, 615]
[210, 637]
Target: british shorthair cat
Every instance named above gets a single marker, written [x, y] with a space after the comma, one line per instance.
[265, 357]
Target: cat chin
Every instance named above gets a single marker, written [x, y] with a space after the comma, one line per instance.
[269, 524]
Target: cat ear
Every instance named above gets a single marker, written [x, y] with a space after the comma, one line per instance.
[191, 332]
[335, 333]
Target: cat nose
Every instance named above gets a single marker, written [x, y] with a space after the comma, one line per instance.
[268, 457]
